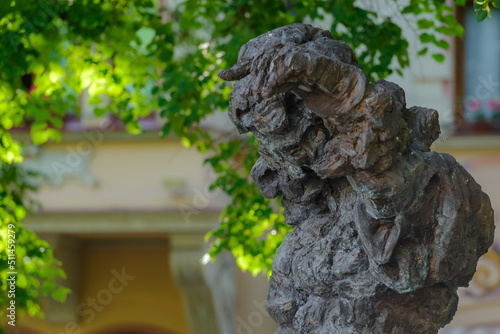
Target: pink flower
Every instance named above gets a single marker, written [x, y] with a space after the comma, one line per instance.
[474, 105]
[494, 104]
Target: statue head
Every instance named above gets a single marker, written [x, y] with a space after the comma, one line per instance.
[311, 106]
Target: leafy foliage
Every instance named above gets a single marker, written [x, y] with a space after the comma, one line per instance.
[483, 8]
[131, 61]
[52, 51]
[34, 262]
[259, 227]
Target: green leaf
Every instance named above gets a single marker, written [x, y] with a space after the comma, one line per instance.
[33, 308]
[20, 212]
[60, 294]
[425, 24]
[39, 136]
[21, 281]
[48, 287]
[56, 121]
[460, 2]
[438, 57]
[99, 112]
[427, 38]
[482, 15]
[186, 142]
[162, 101]
[54, 134]
[496, 3]
[407, 10]
[189, 139]
[450, 20]
[165, 130]
[445, 30]
[202, 147]
[133, 128]
[442, 44]
[482, 9]
[7, 123]
[37, 126]
[423, 51]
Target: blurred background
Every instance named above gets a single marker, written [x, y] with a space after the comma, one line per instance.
[127, 214]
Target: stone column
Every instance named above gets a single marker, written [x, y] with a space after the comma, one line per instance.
[207, 291]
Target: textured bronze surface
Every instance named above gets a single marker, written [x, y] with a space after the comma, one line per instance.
[385, 230]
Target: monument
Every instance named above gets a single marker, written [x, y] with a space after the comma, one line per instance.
[385, 230]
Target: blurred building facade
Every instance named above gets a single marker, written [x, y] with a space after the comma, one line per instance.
[127, 214]
[127, 217]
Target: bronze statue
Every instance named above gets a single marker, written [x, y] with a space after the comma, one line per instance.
[385, 230]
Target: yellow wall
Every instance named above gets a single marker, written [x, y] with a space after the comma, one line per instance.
[130, 175]
[150, 298]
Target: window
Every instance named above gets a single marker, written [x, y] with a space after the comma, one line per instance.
[482, 68]
[478, 74]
